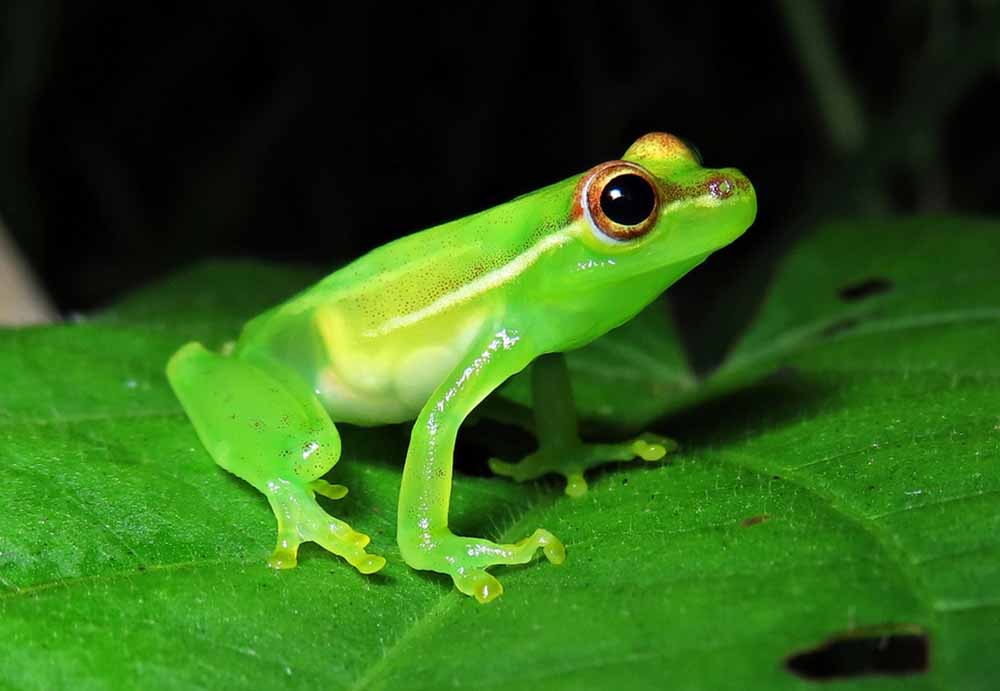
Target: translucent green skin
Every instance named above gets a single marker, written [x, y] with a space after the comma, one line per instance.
[423, 329]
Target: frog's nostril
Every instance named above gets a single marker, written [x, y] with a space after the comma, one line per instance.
[721, 187]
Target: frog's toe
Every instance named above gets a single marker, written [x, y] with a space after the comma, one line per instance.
[478, 584]
[533, 466]
[369, 563]
[576, 484]
[344, 533]
[652, 447]
[327, 490]
[505, 469]
[552, 547]
[338, 537]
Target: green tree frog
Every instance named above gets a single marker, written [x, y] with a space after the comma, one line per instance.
[425, 327]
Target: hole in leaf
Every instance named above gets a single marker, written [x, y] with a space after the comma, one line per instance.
[865, 289]
[900, 650]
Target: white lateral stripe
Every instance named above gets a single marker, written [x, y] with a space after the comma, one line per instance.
[480, 285]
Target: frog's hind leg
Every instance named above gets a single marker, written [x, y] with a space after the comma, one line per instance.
[271, 431]
[560, 449]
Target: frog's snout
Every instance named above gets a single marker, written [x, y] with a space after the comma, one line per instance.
[732, 188]
[729, 182]
[729, 202]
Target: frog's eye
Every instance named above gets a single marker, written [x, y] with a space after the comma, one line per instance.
[620, 201]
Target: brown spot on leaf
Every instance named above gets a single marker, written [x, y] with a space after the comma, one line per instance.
[754, 520]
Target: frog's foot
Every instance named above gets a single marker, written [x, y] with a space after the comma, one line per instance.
[573, 461]
[300, 519]
[466, 559]
[327, 490]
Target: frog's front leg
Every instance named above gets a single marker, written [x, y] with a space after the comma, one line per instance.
[560, 449]
[425, 540]
[271, 431]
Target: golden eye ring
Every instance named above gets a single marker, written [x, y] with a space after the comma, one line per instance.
[620, 201]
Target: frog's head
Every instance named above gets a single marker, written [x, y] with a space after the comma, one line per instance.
[657, 210]
[634, 227]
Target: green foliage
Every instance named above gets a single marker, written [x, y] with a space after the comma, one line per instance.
[837, 472]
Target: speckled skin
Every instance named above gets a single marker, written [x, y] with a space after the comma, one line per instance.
[424, 328]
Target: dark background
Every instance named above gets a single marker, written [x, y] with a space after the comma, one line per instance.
[137, 140]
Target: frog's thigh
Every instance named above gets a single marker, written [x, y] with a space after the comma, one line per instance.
[274, 434]
[252, 424]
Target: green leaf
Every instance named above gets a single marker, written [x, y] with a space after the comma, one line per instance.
[838, 475]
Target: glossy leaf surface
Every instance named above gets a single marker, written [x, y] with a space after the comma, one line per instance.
[838, 474]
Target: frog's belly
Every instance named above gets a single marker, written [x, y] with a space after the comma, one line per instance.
[378, 381]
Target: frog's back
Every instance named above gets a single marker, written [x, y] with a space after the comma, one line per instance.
[376, 336]
[413, 272]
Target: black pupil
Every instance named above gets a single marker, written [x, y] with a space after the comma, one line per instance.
[628, 200]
